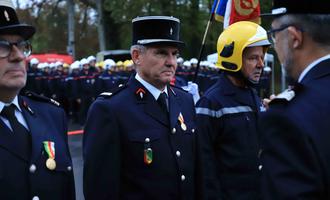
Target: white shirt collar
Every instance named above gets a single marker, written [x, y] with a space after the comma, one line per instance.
[152, 89]
[310, 66]
[15, 102]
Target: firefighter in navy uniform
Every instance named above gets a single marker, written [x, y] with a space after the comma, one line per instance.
[137, 147]
[106, 80]
[31, 75]
[34, 154]
[227, 113]
[87, 88]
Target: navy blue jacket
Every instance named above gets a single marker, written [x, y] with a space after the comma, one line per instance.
[227, 126]
[296, 155]
[24, 178]
[118, 131]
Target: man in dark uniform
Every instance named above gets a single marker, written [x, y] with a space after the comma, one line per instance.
[87, 88]
[227, 113]
[34, 155]
[296, 129]
[140, 141]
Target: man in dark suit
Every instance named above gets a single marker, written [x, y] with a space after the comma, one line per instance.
[139, 141]
[35, 162]
[296, 129]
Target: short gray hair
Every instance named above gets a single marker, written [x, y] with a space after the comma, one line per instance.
[138, 47]
[317, 26]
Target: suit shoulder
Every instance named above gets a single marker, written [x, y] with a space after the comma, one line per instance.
[113, 92]
[39, 98]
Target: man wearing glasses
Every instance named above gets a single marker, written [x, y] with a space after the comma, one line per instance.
[35, 162]
[296, 129]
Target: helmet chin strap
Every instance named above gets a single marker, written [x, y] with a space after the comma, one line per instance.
[239, 75]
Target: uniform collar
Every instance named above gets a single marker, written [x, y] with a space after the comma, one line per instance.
[15, 102]
[152, 89]
[310, 66]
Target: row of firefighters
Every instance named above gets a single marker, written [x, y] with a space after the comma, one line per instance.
[77, 85]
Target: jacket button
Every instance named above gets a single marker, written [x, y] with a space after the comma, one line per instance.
[69, 168]
[32, 168]
[193, 130]
[178, 153]
[183, 177]
[260, 167]
[35, 198]
[173, 131]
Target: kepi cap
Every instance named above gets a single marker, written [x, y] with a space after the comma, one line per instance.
[281, 7]
[151, 30]
[9, 23]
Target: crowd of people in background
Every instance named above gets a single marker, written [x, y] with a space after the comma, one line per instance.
[76, 86]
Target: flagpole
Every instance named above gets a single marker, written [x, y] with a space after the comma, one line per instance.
[203, 46]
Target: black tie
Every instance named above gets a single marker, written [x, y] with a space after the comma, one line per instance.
[162, 101]
[20, 134]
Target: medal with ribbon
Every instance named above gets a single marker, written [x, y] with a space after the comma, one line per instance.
[181, 120]
[49, 147]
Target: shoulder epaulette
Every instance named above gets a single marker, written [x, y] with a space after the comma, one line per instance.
[113, 91]
[41, 98]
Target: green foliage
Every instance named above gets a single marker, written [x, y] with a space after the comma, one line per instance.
[50, 18]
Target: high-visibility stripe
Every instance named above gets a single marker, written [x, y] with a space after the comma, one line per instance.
[223, 111]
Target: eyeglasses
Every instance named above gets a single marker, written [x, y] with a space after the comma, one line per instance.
[271, 32]
[7, 47]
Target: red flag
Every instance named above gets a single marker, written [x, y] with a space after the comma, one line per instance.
[245, 10]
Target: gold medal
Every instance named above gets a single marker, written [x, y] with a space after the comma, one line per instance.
[50, 164]
[183, 126]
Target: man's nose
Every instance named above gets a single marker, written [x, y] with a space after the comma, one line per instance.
[260, 63]
[16, 54]
[171, 60]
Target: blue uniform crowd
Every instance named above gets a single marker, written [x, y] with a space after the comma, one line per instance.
[77, 85]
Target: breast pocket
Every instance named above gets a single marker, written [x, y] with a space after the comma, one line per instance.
[143, 145]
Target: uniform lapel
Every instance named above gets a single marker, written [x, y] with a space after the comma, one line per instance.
[145, 99]
[174, 104]
[36, 125]
[8, 143]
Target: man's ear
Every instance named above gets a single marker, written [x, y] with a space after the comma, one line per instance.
[296, 36]
[136, 56]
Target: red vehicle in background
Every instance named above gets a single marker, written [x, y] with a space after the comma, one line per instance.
[52, 58]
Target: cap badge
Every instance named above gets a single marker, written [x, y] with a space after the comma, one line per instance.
[5, 13]
[171, 31]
